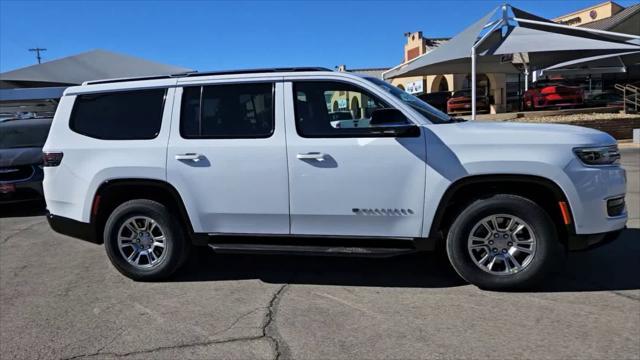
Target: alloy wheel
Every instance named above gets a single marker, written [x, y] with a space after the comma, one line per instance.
[142, 242]
[502, 244]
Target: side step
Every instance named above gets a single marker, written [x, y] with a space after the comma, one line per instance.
[366, 247]
[308, 250]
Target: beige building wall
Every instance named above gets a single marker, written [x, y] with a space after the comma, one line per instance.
[592, 13]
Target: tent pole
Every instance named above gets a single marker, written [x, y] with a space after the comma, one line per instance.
[473, 65]
[473, 83]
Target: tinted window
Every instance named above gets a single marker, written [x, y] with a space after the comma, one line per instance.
[24, 133]
[227, 111]
[331, 109]
[123, 115]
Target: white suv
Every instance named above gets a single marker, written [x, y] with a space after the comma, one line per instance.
[253, 161]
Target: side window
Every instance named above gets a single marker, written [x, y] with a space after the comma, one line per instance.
[121, 115]
[333, 109]
[227, 111]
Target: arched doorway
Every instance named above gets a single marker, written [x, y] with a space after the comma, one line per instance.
[401, 87]
[335, 106]
[355, 108]
[440, 83]
[482, 84]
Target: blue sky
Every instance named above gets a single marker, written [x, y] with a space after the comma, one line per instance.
[212, 35]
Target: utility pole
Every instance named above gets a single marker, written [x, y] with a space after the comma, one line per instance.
[38, 50]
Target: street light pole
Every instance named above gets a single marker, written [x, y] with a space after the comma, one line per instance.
[37, 51]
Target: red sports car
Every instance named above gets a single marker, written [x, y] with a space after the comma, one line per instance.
[553, 96]
[460, 102]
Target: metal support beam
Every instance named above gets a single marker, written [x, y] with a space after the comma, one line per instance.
[473, 83]
[497, 25]
[595, 31]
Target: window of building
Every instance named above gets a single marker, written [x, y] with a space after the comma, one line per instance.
[122, 115]
[333, 109]
[227, 111]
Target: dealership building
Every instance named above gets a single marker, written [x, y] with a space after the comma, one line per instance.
[505, 89]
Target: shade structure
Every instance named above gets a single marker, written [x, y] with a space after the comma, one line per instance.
[486, 46]
[453, 56]
[598, 64]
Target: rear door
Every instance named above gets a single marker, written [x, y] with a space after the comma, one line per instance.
[346, 180]
[227, 156]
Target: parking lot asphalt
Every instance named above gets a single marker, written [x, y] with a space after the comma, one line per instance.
[60, 298]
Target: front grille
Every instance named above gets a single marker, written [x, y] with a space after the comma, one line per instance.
[16, 173]
[615, 206]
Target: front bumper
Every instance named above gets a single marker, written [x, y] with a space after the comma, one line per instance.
[73, 228]
[590, 193]
[590, 241]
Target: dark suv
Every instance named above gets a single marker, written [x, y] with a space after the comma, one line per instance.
[21, 142]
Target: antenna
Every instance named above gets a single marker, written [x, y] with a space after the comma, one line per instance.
[38, 50]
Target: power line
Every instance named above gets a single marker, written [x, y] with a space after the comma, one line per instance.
[38, 50]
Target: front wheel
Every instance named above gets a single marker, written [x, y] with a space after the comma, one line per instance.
[504, 242]
[143, 241]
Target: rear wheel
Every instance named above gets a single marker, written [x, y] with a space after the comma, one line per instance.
[143, 241]
[504, 242]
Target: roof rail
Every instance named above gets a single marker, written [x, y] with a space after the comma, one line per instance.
[208, 73]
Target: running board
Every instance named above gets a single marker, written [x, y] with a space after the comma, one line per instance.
[238, 248]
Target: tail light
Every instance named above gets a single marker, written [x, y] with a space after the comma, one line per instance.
[51, 158]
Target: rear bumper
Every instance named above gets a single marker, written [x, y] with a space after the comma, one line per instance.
[73, 228]
[28, 189]
[590, 241]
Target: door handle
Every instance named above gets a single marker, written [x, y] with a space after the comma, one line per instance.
[188, 156]
[311, 156]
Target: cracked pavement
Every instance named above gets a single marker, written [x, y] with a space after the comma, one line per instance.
[61, 299]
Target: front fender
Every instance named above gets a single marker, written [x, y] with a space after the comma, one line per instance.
[438, 184]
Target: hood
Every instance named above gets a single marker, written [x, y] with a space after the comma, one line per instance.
[496, 133]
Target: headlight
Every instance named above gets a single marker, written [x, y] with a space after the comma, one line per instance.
[601, 155]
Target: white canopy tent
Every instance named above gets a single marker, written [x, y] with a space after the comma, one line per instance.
[489, 45]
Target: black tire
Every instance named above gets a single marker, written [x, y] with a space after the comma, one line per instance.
[548, 256]
[176, 245]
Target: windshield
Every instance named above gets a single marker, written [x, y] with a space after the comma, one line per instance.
[432, 114]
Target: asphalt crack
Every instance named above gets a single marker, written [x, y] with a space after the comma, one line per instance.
[169, 347]
[269, 328]
[269, 332]
[236, 321]
[19, 231]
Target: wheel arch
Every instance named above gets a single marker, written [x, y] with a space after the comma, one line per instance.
[541, 190]
[112, 193]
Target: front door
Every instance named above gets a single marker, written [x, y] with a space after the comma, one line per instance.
[227, 157]
[344, 179]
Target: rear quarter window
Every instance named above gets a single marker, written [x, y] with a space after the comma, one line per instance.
[122, 115]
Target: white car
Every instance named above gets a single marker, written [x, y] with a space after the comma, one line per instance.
[248, 161]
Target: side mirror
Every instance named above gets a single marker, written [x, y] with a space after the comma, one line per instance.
[392, 122]
[388, 117]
